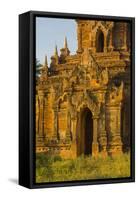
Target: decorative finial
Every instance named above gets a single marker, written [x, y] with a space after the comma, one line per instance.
[65, 43]
[46, 64]
[44, 70]
[56, 51]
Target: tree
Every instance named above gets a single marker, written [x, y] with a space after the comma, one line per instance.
[38, 65]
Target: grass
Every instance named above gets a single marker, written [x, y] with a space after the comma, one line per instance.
[53, 169]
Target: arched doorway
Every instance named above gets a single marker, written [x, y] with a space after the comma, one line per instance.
[85, 132]
[99, 41]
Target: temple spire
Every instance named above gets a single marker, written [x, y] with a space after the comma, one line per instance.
[44, 70]
[46, 63]
[64, 52]
[65, 43]
[56, 51]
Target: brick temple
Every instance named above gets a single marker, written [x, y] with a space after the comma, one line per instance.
[83, 100]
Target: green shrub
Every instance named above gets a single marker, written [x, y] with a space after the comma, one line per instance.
[43, 160]
[54, 168]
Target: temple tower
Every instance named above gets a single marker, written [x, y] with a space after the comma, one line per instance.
[102, 36]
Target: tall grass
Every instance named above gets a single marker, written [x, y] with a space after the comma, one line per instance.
[52, 169]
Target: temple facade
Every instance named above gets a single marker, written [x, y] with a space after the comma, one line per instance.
[83, 100]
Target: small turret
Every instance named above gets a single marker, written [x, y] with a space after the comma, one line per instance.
[44, 69]
[64, 51]
[56, 52]
[46, 63]
[65, 43]
[54, 59]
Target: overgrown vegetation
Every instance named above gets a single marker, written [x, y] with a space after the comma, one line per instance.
[52, 169]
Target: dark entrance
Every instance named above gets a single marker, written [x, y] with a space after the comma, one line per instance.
[99, 41]
[88, 133]
[85, 131]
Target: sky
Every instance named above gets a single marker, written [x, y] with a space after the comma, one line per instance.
[51, 32]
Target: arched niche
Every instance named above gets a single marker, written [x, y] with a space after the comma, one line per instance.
[62, 116]
[99, 41]
[85, 132]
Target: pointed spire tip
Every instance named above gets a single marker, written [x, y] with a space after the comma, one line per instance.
[56, 51]
[46, 63]
[65, 43]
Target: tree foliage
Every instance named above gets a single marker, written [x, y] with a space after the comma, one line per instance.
[38, 65]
